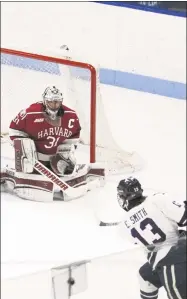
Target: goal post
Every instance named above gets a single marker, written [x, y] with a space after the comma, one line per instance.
[92, 87]
[25, 75]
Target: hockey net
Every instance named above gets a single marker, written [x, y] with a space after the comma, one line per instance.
[24, 76]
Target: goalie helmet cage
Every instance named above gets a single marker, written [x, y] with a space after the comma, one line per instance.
[25, 76]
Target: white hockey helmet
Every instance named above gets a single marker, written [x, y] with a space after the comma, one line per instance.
[52, 100]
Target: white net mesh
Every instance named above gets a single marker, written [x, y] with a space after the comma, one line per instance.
[23, 81]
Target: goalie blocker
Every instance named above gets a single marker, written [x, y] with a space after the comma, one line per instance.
[28, 185]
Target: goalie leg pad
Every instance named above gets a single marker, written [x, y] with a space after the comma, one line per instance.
[25, 155]
[27, 186]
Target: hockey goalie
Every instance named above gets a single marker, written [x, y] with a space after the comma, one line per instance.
[45, 138]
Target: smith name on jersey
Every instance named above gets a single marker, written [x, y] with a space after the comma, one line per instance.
[154, 224]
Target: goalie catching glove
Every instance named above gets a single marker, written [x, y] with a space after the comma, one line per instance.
[64, 162]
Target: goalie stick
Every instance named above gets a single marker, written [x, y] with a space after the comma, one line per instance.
[67, 189]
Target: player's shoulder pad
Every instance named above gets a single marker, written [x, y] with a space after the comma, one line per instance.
[35, 108]
[68, 110]
[165, 200]
[157, 198]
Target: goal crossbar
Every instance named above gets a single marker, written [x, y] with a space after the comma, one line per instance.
[93, 83]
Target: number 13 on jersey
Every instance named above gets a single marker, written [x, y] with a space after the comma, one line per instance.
[146, 226]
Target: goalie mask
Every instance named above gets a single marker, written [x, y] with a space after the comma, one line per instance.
[129, 193]
[52, 101]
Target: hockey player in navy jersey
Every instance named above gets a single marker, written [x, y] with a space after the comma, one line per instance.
[153, 222]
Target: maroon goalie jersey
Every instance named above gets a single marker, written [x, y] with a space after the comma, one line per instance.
[47, 134]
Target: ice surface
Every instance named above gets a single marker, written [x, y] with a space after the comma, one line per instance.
[36, 236]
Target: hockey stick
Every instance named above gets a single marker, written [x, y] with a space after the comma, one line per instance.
[67, 189]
